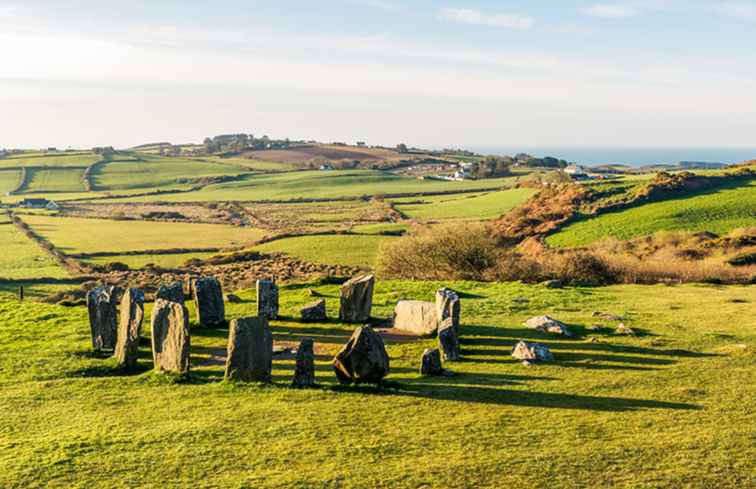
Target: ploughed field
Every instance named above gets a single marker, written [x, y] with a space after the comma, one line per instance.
[667, 407]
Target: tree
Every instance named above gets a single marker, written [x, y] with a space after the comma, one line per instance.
[402, 148]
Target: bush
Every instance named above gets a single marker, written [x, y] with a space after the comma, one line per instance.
[445, 252]
[581, 268]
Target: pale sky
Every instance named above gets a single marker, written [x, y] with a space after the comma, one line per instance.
[499, 73]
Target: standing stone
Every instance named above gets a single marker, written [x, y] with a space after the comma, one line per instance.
[267, 299]
[171, 292]
[304, 371]
[416, 317]
[129, 327]
[357, 299]
[363, 359]
[170, 336]
[431, 363]
[103, 316]
[250, 350]
[314, 312]
[208, 300]
[448, 340]
[448, 306]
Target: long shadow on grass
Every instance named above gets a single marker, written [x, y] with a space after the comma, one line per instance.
[534, 399]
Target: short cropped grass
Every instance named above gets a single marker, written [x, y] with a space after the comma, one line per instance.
[355, 250]
[9, 180]
[21, 258]
[53, 159]
[139, 261]
[719, 211]
[80, 235]
[669, 408]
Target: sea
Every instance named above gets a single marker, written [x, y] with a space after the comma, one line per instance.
[628, 156]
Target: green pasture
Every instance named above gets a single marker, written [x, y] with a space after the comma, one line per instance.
[81, 235]
[342, 249]
[139, 261]
[668, 408]
[22, 258]
[54, 159]
[250, 164]
[381, 227]
[9, 180]
[54, 180]
[323, 185]
[156, 172]
[464, 206]
[718, 210]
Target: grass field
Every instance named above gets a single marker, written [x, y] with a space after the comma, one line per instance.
[80, 235]
[156, 172]
[718, 211]
[355, 250]
[382, 227]
[139, 261]
[670, 408]
[251, 164]
[323, 185]
[46, 180]
[57, 160]
[465, 206]
[21, 258]
[9, 180]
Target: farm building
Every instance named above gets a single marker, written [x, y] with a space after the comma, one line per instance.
[576, 171]
[39, 204]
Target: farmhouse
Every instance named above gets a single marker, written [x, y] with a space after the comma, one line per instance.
[576, 171]
[39, 204]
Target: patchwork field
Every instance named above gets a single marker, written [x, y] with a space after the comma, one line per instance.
[9, 180]
[44, 159]
[356, 250]
[154, 172]
[79, 235]
[139, 261]
[323, 185]
[653, 410]
[305, 154]
[464, 206]
[719, 211]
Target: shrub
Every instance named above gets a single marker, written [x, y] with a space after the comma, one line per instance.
[445, 252]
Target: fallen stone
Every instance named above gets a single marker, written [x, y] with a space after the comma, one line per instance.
[363, 359]
[208, 301]
[553, 284]
[356, 301]
[250, 350]
[304, 370]
[430, 363]
[170, 336]
[532, 352]
[448, 307]
[171, 292]
[129, 328]
[606, 316]
[103, 316]
[448, 340]
[546, 324]
[314, 312]
[267, 299]
[624, 330]
[416, 317]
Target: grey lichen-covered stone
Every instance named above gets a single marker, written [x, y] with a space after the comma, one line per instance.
[448, 306]
[448, 340]
[208, 301]
[304, 370]
[547, 324]
[532, 352]
[170, 336]
[624, 330]
[267, 299]
[314, 312]
[430, 363]
[250, 350]
[171, 292]
[102, 305]
[416, 317]
[129, 327]
[356, 300]
[363, 359]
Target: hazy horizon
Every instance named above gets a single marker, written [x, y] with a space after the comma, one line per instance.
[626, 73]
